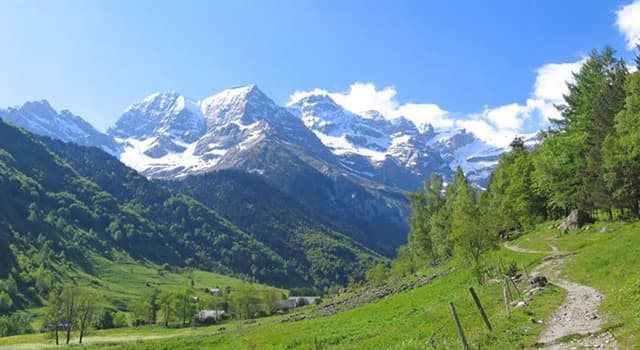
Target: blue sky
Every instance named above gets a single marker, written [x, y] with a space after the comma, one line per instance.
[465, 58]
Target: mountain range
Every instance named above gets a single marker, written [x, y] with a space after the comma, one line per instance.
[350, 169]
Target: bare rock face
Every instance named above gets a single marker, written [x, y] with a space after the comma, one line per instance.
[575, 220]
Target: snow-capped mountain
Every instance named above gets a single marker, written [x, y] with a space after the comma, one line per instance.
[349, 168]
[40, 118]
[171, 136]
[395, 151]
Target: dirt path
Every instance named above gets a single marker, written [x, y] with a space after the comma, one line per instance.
[578, 316]
[518, 249]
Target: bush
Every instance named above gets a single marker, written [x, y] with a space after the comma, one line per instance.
[120, 320]
[18, 323]
[6, 303]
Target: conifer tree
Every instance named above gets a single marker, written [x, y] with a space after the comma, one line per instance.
[622, 150]
[562, 161]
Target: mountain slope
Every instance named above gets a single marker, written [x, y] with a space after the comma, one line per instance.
[282, 223]
[40, 118]
[57, 218]
[395, 152]
[326, 257]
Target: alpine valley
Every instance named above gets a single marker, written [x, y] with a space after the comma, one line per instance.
[231, 183]
[335, 162]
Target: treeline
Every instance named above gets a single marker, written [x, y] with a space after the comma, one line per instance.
[73, 310]
[180, 307]
[588, 160]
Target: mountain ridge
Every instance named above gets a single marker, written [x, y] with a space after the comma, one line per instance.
[351, 168]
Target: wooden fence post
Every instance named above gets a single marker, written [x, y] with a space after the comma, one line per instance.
[460, 331]
[505, 294]
[513, 283]
[480, 308]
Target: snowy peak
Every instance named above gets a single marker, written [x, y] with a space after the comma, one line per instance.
[168, 135]
[242, 105]
[37, 108]
[394, 151]
[41, 118]
[161, 114]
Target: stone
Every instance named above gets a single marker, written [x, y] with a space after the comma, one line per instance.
[575, 220]
[539, 281]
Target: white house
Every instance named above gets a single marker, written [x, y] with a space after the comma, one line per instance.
[210, 315]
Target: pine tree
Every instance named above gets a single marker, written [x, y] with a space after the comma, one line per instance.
[608, 102]
[622, 150]
[564, 161]
[426, 203]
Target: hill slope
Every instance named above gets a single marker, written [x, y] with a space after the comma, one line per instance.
[71, 203]
[312, 243]
[57, 217]
[309, 254]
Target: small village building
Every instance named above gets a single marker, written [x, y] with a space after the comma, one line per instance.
[207, 316]
[214, 291]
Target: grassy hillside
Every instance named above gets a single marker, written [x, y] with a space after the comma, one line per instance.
[121, 282]
[415, 319]
[53, 220]
[607, 258]
[420, 318]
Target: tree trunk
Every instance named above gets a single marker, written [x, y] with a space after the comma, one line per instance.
[83, 321]
[56, 331]
[166, 318]
[68, 332]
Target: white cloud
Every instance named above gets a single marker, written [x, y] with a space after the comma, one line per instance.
[551, 80]
[499, 125]
[363, 97]
[422, 114]
[508, 116]
[628, 22]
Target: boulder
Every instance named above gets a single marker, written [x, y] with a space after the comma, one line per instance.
[575, 220]
[539, 281]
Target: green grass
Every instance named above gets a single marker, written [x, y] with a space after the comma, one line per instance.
[119, 283]
[122, 282]
[416, 319]
[609, 262]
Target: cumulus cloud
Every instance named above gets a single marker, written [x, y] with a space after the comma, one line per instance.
[422, 114]
[365, 96]
[499, 125]
[628, 23]
[496, 125]
[551, 80]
